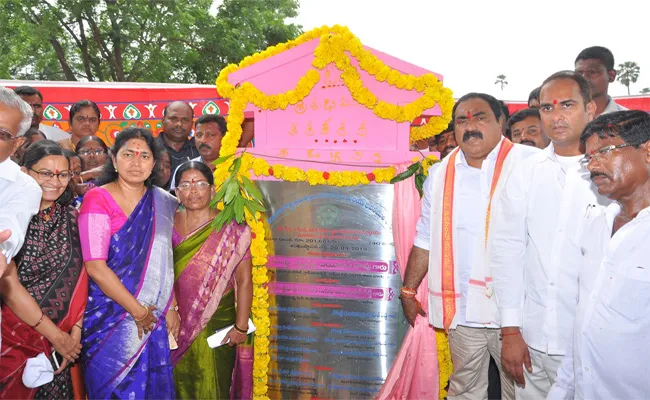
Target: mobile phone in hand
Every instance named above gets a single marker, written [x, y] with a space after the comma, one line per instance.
[57, 360]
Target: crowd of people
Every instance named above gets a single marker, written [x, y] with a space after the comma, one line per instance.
[532, 228]
[110, 284]
[533, 245]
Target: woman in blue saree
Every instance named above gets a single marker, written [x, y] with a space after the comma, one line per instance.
[125, 227]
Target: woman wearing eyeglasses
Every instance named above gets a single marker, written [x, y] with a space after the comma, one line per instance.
[208, 264]
[50, 269]
[125, 227]
[84, 121]
[92, 152]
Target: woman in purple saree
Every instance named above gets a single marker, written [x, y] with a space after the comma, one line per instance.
[209, 264]
[125, 228]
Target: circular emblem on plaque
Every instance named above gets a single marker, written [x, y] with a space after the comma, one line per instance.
[328, 216]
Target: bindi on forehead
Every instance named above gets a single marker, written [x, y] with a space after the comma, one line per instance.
[555, 101]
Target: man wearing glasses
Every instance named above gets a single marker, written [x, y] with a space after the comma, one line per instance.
[609, 341]
[541, 209]
[35, 99]
[20, 195]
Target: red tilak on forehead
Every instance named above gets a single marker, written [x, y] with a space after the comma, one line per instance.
[469, 115]
[56, 171]
[137, 153]
[554, 101]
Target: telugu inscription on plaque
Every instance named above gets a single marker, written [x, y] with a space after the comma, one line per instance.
[337, 323]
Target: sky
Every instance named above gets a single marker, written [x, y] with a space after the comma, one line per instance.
[470, 42]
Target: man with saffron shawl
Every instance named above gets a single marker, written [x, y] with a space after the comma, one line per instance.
[453, 242]
[125, 228]
[208, 264]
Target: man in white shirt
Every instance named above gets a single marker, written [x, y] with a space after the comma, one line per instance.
[596, 65]
[451, 244]
[34, 98]
[544, 199]
[610, 348]
[20, 195]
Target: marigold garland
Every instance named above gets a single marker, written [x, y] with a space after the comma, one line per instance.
[445, 366]
[335, 41]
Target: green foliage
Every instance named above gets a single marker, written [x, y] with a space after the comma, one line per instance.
[136, 40]
[417, 169]
[238, 193]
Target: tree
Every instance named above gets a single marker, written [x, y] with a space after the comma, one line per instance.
[645, 90]
[628, 73]
[136, 40]
[501, 80]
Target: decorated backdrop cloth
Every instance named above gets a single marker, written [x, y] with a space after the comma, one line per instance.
[50, 267]
[137, 248]
[204, 265]
[414, 373]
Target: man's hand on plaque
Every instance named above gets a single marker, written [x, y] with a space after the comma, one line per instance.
[412, 307]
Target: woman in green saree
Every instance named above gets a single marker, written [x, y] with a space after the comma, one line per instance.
[214, 290]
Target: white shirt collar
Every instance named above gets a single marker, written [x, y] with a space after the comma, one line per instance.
[493, 154]
[9, 170]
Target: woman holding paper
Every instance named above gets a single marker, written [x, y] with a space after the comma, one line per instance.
[208, 264]
[125, 228]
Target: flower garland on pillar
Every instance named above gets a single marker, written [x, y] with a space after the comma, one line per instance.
[239, 203]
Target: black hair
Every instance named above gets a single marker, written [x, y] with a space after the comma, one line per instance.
[76, 107]
[197, 165]
[450, 128]
[39, 151]
[177, 101]
[633, 126]
[522, 115]
[70, 154]
[109, 173]
[218, 119]
[505, 109]
[585, 89]
[27, 91]
[493, 102]
[33, 132]
[599, 53]
[534, 95]
[91, 138]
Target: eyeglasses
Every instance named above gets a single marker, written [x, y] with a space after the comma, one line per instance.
[200, 185]
[81, 119]
[46, 175]
[6, 136]
[96, 152]
[602, 154]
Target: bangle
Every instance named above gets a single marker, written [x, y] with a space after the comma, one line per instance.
[408, 292]
[240, 330]
[174, 308]
[501, 335]
[78, 326]
[143, 318]
[39, 321]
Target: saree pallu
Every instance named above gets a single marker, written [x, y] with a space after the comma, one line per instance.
[50, 267]
[205, 264]
[117, 364]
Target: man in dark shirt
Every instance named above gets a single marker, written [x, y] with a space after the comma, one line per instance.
[176, 127]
